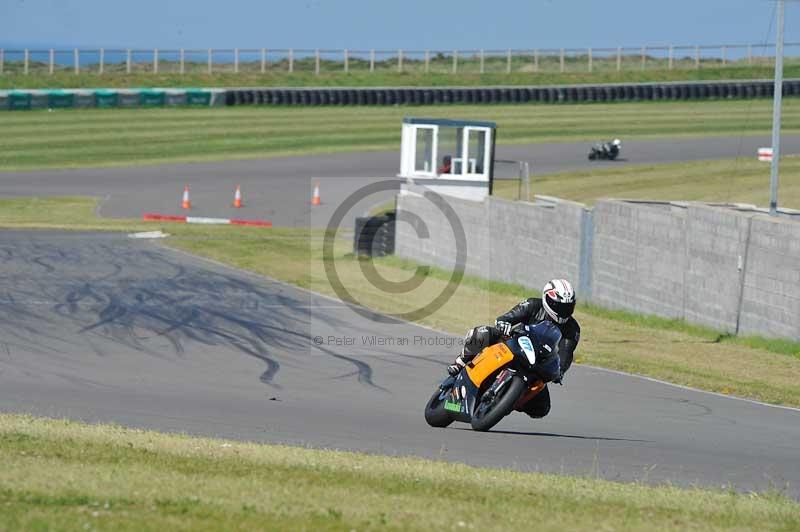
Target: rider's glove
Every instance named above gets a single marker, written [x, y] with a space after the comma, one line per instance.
[454, 368]
[504, 327]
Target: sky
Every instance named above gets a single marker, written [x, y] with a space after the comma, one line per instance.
[389, 24]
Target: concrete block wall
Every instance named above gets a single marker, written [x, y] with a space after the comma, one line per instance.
[716, 252]
[771, 294]
[639, 257]
[733, 270]
[514, 242]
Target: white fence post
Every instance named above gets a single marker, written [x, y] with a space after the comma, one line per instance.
[481, 56]
[589, 58]
[210, 61]
[371, 61]
[102, 60]
[316, 62]
[291, 60]
[155, 60]
[263, 60]
[25, 60]
[455, 61]
[399, 60]
[347, 61]
[536, 60]
[696, 57]
[128, 61]
[52, 63]
[235, 60]
[76, 59]
[644, 56]
[427, 61]
[561, 60]
[183, 61]
[724, 55]
[508, 61]
[619, 58]
[670, 57]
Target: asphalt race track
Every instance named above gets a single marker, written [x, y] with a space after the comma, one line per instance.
[104, 328]
[280, 189]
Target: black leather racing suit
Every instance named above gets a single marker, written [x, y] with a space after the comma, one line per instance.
[530, 312]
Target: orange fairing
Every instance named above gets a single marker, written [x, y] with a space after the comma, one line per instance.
[491, 359]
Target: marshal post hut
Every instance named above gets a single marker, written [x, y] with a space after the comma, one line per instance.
[451, 157]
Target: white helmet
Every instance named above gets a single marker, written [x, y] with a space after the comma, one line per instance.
[558, 300]
[616, 142]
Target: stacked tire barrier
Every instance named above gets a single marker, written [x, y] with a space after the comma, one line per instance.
[711, 90]
[374, 235]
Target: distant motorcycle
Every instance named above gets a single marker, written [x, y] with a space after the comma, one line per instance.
[605, 150]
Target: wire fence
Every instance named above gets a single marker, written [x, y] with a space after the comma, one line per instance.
[319, 61]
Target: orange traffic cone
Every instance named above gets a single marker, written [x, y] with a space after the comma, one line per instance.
[315, 198]
[186, 204]
[237, 198]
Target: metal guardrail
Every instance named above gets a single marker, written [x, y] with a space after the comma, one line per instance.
[108, 61]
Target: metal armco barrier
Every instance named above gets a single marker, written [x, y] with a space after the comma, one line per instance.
[487, 95]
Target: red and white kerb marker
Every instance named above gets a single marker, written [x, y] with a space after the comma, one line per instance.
[153, 217]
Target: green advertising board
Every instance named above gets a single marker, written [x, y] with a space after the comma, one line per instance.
[19, 100]
[151, 97]
[198, 97]
[60, 99]
[106, 98]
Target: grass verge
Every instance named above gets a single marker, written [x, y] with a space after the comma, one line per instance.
[742, 180]
[671, 350]
[97, 137]
[67, 475]
[15, 79]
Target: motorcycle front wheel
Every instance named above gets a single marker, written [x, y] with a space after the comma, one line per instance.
[489, 412]
[435, 413]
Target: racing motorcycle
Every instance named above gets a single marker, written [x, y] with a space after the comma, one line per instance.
[501, 379]
[605, 150]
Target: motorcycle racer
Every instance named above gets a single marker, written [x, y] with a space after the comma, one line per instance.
[557, 305]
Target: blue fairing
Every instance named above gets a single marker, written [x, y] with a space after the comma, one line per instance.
[545, 337]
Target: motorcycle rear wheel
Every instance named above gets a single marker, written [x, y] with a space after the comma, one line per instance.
[487, 416]
[435, 413]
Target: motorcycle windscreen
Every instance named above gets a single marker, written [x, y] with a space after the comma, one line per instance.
[490, 360]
